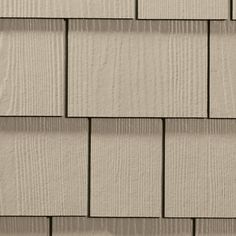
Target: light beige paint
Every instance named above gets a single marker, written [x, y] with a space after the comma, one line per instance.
[24, 226]
[43, 166]
[183, 9]
[126, 158]
[137, 68]
[200, 168]
[121, 227]
[216, 227]
[32, 67]
[223, 69]
[68, 8]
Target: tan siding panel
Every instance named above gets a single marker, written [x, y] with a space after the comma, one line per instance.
[233, 9]
[24, 226]
[117, 227]
[137, 68]
[68, 8]
[200, 168]
[43, 166]
[183, 9]
[126, 167]
[223, 70]
[216, 227]
[31, 67]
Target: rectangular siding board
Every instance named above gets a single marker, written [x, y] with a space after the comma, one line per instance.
[223, 70]
[114, 227]
[200, 168]
[215, 227]
[183, 9]
[137, 68]
[43, 166]
[126, 157]
[24, 226]
[233, 9]
[31, 67]
[68, 8]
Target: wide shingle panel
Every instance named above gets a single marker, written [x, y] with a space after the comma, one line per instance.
[31, 67]
[126, 157]
[137, 68]
[200, 168]
[125, 227]
[24, 226]
[43, 166]
[68, 8]
[223, 70]
[215, 227]
[183, 9]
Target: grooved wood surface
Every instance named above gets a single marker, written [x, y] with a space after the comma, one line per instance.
[117, 227]
[31, 67]
[200, 168]
[68, 8]
[137, 68]
[183, 9]
[43, 167]
[233, 9]
[24, 226]
[223, 70]
[215, 227]
[126, 158]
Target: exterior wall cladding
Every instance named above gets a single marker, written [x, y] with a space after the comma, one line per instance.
[117, 117]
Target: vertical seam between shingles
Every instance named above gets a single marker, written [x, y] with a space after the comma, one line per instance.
[50, 225]
[66, 65]
[194, 227]
[163, 167]
[208, 69]
[89, 167]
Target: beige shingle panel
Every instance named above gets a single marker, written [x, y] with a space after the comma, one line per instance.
[183, 9]
[223, 69]
[31, 67]
[200, 168]
[117, 227]
[137, 68]
[68, 8]
[215, 227]
[43, 166]
[24, 226]
[126, 167]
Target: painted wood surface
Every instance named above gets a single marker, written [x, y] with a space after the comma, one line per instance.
[68, 8]
[215, 227]
[24, 226]
[126, 158]
[183, 9]
[200, 168]
[223, 70]
[43, 167]
[31, 67]
[117, 227]
[137, 68]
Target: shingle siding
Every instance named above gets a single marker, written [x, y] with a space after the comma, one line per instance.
[117, 117]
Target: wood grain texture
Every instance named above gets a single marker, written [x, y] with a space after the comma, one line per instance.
[215, 227]
[68, 8]
[117, 227]
[43, 167]
[24, 226]
[137, 68]
[233, 9]
[31, 67]
[200, 168]
[183, 9]
[126, 167]
[223, 70]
